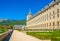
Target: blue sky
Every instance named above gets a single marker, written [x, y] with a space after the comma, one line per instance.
[18, 9]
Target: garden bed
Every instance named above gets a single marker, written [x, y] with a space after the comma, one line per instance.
[46, 35]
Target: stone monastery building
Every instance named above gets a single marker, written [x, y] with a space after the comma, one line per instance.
[46, 19]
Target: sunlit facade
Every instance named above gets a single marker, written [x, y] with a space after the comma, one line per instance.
[47, 18]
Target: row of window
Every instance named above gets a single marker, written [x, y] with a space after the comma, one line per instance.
[49, 25]
[53, 24]
[45, 18]
[49, 16]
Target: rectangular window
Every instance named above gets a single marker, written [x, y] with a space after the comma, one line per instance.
[57, 15]
[57, 10]
[47, 24]
[53, 23]
[47, 16]
[50, 15]
[50, 24]
[53, 12]
[53, 16]
[57, 3]
[58, 24]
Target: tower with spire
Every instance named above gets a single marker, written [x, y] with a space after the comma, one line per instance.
[29, 16]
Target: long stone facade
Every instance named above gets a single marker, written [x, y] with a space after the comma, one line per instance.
[48, 18]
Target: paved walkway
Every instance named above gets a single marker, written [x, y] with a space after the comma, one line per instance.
[20, 36]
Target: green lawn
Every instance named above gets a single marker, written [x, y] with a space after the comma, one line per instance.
[41, 35]
[54, 36]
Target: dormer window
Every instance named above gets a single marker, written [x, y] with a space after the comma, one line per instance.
[54, 0]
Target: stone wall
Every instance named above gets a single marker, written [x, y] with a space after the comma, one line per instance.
[3, 35]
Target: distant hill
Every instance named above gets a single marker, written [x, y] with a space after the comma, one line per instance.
[13, 22]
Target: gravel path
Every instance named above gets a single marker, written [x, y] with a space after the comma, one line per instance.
[20, 36]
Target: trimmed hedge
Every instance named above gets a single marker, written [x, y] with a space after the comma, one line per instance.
[41, 35]
[54, 36]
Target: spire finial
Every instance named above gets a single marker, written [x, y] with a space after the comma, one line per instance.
[29, 11]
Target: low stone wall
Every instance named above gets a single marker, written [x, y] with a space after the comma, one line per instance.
[3, 35]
